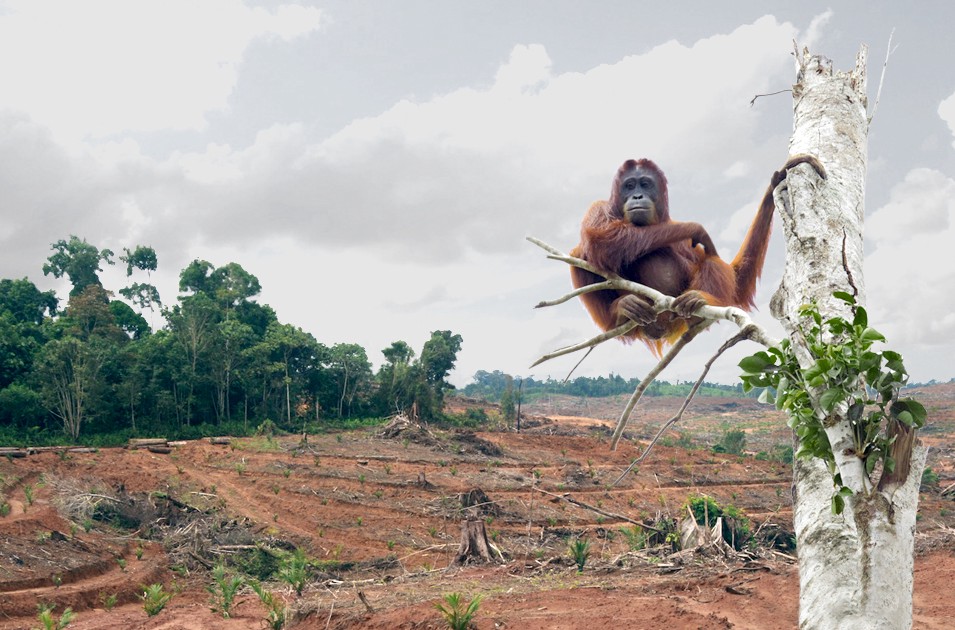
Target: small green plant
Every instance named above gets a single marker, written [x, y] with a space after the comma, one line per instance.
[240, 467]
[4, 508]
[28, 494]
[275, 609]
[109, 601]
[379, 493]
[121, 562]
[579, 553]
[390, 544]
[847, 379]
[294, 571]
[223, 589]
[287, 473]
[87, 525]
[433, 531]
[361, 478]
[929, 477]
[359, 521]
[45, 616]
[636, 537]
[458, 615]
[57, 580]
[154, 599]
[139, 552]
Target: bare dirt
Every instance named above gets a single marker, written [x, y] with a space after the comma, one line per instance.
[380, 519]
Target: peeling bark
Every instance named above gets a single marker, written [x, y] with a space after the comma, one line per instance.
[855, 569]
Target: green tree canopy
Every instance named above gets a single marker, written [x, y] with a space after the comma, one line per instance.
[77, 260]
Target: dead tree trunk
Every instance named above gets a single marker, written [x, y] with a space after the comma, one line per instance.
[855, 568]
[474, 542]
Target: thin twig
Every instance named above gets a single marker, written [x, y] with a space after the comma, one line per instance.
[732, 341]
[599, 286]
[681, 343]
[610, 334]
[770, 94]
[569, 499]
[574, 369]
[888, 52]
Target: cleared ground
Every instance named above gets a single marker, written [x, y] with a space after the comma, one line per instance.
[380, 518]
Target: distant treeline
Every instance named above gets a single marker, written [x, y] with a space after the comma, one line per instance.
[94, 370]
[497, 386]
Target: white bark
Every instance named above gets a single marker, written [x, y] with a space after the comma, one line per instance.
[855, 569]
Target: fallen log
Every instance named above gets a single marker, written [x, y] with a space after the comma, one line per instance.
[145, 442]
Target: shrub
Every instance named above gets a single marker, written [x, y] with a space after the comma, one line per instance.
[736, 528]
[223, 590]
[275, 610]
[45, 616]
[294, 571]
[636, 537]
[732, 442]
[579, 553]
[154, 599]
[458, 615]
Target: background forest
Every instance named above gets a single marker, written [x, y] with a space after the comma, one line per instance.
[94, 371]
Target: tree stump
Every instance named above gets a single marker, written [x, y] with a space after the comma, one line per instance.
[474, 542]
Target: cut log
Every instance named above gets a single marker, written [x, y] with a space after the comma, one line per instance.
[156, 448]
[145, 442]
[222, 441]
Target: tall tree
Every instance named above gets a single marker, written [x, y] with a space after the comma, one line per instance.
[350, 367]
[437, 359]
[70, 369]
[77, 260]
[23, 311]
[194, 323]
[859, 466]
[395, 390]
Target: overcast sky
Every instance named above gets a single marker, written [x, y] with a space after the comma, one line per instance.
[377, 165]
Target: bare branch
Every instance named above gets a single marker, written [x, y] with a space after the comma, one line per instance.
[566, 497]
[732, 341]
[574, 369]
[753, 100]
[888, 52]
[599, 286]
[661, 302]
[610, 334]
[681, 343]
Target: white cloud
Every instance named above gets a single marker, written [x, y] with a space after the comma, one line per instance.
[946, 110]
[96, 68]
[429, 198]
[477, 169]
[906, 275]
